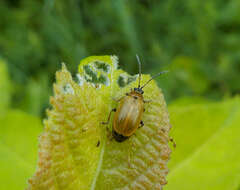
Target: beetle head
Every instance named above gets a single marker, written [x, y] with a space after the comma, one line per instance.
[138, 90]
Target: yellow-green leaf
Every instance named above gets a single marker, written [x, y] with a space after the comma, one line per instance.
[77, 151]
[207, 155]
[18, 149]
[4, 88]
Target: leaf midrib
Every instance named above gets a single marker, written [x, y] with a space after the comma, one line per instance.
[93, 185]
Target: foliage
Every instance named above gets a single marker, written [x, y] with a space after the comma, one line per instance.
[5, 88]
[35, 96]
[206, 134]
[207, 155]
[18, 148]
[199, 42]
[76, 151]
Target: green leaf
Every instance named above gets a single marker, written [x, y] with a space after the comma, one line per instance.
[36, 94]
[4, 88]
[77, 151]
[188, 100]
[207, 155]
[18, 149]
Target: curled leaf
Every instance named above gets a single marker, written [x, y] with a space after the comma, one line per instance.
[76, 150]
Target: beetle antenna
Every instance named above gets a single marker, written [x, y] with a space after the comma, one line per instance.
[139, 66]
[154, 77]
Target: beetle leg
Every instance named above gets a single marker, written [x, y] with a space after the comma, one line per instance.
[169, 138]
[106, 123]
[172, 140]
[147, 101]
[141, 124]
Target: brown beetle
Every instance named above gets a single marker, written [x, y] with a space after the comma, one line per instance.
[128, 116]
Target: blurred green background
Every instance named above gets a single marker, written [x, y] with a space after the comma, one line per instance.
[197, 41]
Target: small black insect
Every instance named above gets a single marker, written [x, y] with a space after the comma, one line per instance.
[98, 143]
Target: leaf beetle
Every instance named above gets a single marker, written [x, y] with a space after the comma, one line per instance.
[128, 116]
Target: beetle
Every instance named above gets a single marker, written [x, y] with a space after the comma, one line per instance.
[128, 116]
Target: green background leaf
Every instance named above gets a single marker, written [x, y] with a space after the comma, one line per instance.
[18, 149]
[5, 88]
[207, 155]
